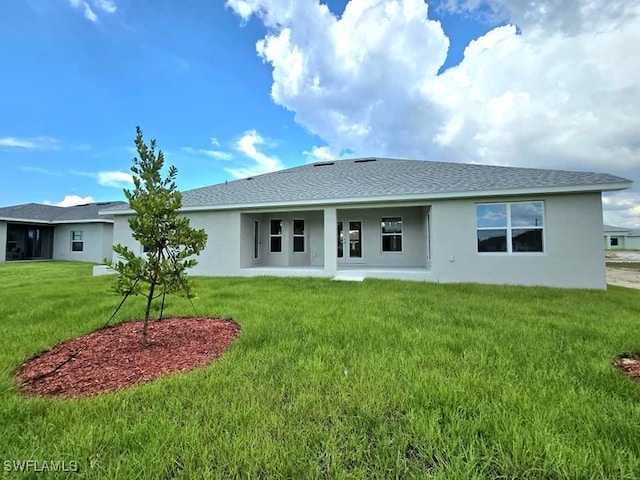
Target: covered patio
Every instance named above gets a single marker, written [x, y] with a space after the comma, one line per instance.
[380, 241]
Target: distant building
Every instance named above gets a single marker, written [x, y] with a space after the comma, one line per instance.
[46, 232]
[621, 238]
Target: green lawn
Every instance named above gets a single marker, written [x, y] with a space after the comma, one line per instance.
[379, 379]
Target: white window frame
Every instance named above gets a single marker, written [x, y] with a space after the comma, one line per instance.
[382, 234]
[297, 235]
[272, 235]
[75, 240]
[509, 228]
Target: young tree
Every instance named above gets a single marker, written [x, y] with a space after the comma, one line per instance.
[169, 241]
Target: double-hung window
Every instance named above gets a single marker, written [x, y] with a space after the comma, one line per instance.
[391, 231]
[275, 236]
[298, 236]
[513, 227]
[77, 241]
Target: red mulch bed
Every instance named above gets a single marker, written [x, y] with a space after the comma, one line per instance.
[113, 358]
[629, 365]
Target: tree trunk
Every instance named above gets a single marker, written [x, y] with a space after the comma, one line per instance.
[146, 315]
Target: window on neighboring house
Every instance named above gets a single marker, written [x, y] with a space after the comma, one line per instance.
[391, 231]
[614, 241]
[298, 236]
[77, 241]
[275, 236]
[514, 227]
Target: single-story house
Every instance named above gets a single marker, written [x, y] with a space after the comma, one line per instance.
[403, 219]
[621, 238]
[46, 232]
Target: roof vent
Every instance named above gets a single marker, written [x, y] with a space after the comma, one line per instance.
[249, 178]
[364, 160]
[323, 164]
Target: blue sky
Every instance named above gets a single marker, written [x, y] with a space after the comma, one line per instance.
[242, 87]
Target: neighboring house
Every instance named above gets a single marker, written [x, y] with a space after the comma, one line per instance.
[46, 232]
[621, 238]
[404, 219]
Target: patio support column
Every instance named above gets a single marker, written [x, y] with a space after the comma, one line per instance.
[330, 240]
[3, 241]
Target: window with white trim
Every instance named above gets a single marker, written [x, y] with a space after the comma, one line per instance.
[298, 236]
[77, 241]
[513, 227]
[391, 232]
[275, 236]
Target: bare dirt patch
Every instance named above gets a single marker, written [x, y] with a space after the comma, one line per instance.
[112, 358]
[622, 268]
[629, 365]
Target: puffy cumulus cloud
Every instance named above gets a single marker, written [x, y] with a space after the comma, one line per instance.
[115, 179]
[567, 16]
[555, 88]
[262, 163]
[319, 154]
[71, 200]
[354, 80]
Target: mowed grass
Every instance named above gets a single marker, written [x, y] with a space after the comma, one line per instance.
[379, 379]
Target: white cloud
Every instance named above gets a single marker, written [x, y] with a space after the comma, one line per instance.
[622, 209]
[35, 143]
[71, 200]
[89, 14]
[115, 179]
[43, 171]
[319, 154]
[247, 145]
[215, 154]
[214, 141]
[560, 91]
[107, 6]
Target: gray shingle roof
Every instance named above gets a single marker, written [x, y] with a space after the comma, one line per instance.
[52, 214]
[611, 228]
[382, 177]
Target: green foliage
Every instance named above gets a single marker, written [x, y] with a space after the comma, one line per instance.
[169, 241]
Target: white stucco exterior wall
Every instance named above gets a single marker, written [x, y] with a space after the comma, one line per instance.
[413, 254]
[438, 237]
[3, 241]
[221, 256]
[573, 256]
[97, 238]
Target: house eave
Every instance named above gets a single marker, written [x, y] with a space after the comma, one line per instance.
[402, 198]
[53, 222]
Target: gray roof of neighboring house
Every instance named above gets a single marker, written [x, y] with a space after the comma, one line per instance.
[611, 228]
[369, 178]
[37, 212]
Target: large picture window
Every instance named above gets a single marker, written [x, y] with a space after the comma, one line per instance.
[391, 231]
[298, 236]
[513, 227]
[275, 236]
[77, 241]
